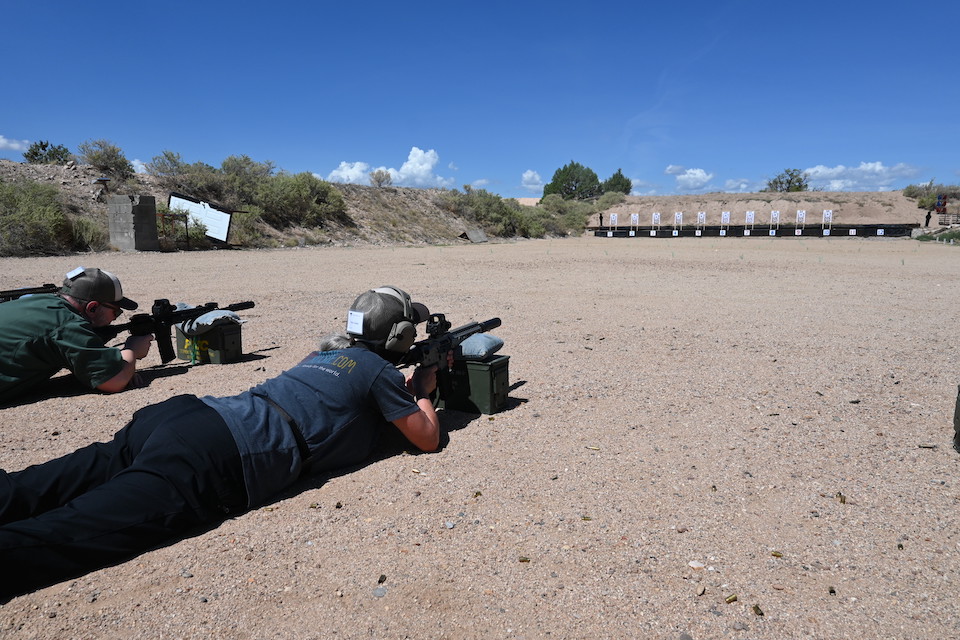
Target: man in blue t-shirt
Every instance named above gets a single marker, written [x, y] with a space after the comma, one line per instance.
[44, 333]
[189, 462]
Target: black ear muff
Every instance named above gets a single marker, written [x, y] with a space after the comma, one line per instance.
[403, 333]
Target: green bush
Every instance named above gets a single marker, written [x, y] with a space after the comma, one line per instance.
[107, 157]
[42, 152]
[33, 221]
[926, 194]
[90, 234]
[302, 199]
[493, 214]
[610, 199]
[243, 178]
[244, 227]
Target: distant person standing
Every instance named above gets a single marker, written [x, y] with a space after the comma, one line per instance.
[44, 333]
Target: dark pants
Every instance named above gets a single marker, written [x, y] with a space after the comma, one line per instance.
[172, 469]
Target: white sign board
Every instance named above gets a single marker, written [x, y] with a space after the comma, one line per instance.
[613, 219]
[678, 217]
[724, 217]
[774, 217]
[656, 218]
[701, 217]
[635, 219]
[801, 216]
[217, 222]
[750, 217]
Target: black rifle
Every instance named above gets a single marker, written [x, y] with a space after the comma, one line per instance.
[13, 294]
[433, 350]
[162, 316]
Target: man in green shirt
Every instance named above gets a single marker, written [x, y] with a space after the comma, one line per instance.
[42, 334]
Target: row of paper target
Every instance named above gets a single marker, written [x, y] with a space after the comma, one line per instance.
[714, 231]
[750, 218]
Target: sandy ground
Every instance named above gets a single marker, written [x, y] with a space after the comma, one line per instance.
[706, 438]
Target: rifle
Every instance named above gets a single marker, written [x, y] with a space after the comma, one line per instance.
[13, 294]
[433, 350]
[162, 316]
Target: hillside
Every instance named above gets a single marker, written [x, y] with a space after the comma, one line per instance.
[403, 215]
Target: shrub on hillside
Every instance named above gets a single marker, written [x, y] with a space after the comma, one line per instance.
[609, 199]
[493, 214]
[33, 221]
[302, 199]
[42, 152]
[107, 157]
[571, 215]
[245, 227]
[926, 194]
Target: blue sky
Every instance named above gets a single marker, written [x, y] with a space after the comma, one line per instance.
[684, 98]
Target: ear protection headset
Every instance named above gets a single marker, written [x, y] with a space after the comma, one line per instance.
[402, 334]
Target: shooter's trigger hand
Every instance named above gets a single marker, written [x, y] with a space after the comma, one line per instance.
[450, 360]
[139, 345]
[423, 381]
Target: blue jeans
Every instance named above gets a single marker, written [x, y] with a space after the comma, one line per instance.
[172, 469]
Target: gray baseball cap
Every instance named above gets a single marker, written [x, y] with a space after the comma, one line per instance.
[374, 313]
[96, 285]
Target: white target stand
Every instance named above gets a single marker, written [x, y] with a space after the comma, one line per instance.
[613, 224]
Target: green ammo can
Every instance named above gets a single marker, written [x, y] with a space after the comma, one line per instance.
[479, 385]
[219, 345]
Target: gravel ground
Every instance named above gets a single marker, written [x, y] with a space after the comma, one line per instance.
[706, 438]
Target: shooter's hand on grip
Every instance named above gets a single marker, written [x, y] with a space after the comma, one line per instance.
[138, 345]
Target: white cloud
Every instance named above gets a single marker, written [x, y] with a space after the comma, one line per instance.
[642, 188]
[417, 171]
[531, 181]
[740, 185]
[689, 179]
[868, 176]
[351, 172]
[139, 166]
[14, 145]
[479, 184]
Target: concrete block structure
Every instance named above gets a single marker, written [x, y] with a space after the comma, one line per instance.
[133, 223]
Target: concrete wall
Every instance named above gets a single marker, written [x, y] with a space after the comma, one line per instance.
[133, 223]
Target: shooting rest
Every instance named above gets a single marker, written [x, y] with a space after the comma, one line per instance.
[479, 386]
[221, 344]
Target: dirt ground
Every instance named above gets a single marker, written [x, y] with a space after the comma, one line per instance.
[706, 438]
